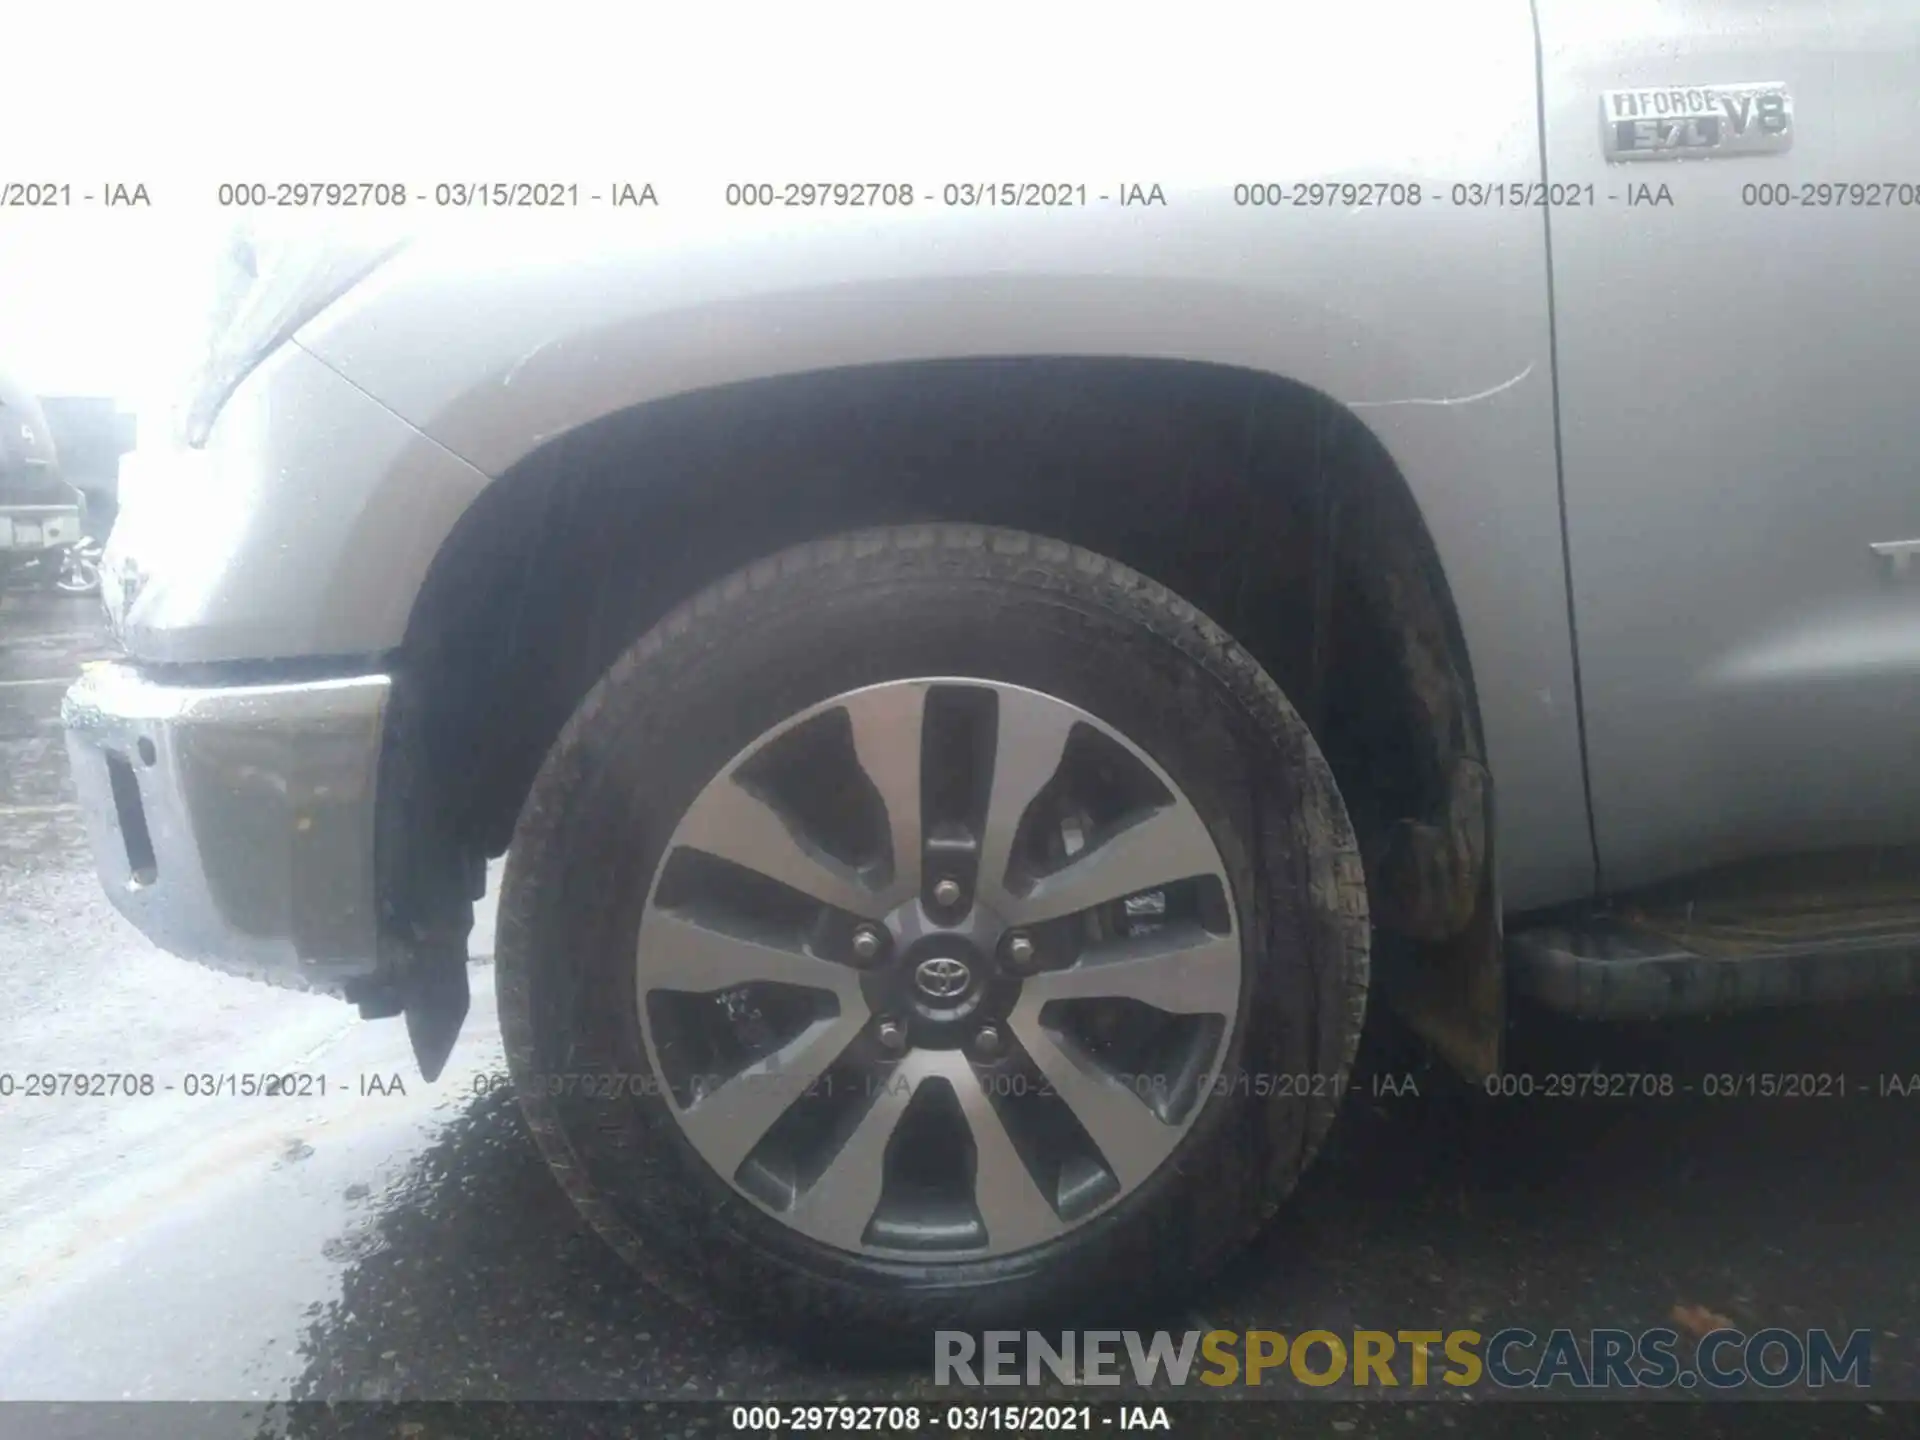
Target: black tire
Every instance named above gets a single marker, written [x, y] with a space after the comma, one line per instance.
[827, 617]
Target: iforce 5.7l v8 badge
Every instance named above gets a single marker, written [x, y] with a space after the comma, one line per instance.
[1697, 122]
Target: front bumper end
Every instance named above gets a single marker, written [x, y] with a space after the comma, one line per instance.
[234, 824]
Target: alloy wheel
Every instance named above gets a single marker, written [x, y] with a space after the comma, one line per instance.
[939, 969]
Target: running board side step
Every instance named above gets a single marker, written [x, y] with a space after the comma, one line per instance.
[1606, 969]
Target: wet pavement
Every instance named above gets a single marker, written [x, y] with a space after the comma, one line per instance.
[390, 1240]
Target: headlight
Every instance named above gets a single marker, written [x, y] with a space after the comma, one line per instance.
[265, 291]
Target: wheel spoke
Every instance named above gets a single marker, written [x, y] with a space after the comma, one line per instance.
[1016, 1214]
[838, 1207]
[837, 1167]
[1183, 970]
[1166, 844]
[1030, 739]
[678, 953]
[727, 1123]
[1130, 1137]
[730, 821]
[887, 726]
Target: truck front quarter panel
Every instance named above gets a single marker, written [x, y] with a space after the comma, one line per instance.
[298, 532]
[1429, 320]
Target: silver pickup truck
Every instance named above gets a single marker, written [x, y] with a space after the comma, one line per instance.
[980, 681]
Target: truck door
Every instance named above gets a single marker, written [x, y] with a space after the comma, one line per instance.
[1737, 315]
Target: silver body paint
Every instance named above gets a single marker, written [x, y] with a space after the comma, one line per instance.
[1734, 391]
[1739, 432]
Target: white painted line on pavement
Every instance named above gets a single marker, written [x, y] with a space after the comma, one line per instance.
[53, 680]
[52, 637]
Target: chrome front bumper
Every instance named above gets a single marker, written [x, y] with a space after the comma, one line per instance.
[234, 824]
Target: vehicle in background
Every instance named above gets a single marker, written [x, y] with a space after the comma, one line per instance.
[64, 569]
[41, 515]
[91, 433]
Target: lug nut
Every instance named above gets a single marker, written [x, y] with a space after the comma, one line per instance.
[986, 1043]
[868, 942]
[947, 892]
[1020, 951]
[891, 1034]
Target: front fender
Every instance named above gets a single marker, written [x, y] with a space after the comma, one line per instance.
[1452, 375]
[1430, 321]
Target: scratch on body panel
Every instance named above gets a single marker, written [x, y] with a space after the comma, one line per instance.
[1486, 394]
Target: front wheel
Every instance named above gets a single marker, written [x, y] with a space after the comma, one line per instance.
[76, 571]
[931, 926]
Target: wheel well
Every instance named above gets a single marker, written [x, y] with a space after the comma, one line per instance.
[1272, 508]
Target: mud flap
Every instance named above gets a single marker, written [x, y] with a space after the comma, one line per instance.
[436, 1007]
[1453, 993]
[428, 882]
[1426, 881]
[1442, 962]
[1444, 971]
